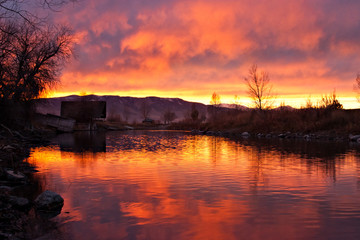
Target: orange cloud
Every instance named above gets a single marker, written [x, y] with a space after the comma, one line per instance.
[174, 45]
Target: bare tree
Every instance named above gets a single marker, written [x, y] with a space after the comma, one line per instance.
[126, 113]
[259, 88]
[10, 9]
[215, 99]
[330, 101]
[145, 109]
[309, 104]
[194, 114]
[215, 105]
[31, 59]
[357, 86]
[237, 102]
[169, 116]
[32, 51]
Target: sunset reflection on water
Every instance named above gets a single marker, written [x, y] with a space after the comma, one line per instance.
[173, 185]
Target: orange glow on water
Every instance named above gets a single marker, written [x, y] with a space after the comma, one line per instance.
[207, 187]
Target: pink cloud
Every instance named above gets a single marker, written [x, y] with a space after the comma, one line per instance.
[162, 45]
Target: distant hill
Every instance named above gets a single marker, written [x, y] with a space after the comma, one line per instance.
[287, 108]
[126, 108]
[234, 106]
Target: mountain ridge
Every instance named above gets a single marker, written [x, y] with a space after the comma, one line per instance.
[127, 108]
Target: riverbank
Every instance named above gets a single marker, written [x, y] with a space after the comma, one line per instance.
[319, 136]
[212, 130]
[18, 186]
[307, 124]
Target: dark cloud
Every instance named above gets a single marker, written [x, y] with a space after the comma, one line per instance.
[181, 42]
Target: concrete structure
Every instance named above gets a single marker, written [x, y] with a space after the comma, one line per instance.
[83, 111]
[59, 123]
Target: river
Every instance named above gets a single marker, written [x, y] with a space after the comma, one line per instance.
[174, 185]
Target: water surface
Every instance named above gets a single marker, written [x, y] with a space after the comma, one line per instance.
[173, 185]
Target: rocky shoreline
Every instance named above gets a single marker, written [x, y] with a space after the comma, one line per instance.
[21, 195]
[238, 134]
[320, 136]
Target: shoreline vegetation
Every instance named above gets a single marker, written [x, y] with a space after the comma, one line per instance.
[288, 123]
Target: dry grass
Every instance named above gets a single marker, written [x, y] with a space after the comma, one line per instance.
[114, 118]
[283, 120]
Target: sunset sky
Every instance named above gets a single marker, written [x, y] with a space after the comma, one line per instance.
[189, 49]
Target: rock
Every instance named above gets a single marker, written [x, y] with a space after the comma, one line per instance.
[298, 135]
[19, 202]
[307, 137]
[15, 176]
[8, 148]
[6, 235]
[282, 135]
[49, 201]
[245, 135]
[5, 189]
[354, 138]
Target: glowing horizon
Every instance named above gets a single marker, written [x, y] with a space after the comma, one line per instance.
[294, 101]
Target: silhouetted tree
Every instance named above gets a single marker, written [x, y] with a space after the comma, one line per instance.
[31, 59]
[215, 105]
[215, 99]
[357, 86]
[309, 104]
[237, 102]
[145, 109]
[126, 113]
[330, 102]
[194, 113]
[259, 88]
[32, 53]
[169, 116]
[32, 50]
[10, 9]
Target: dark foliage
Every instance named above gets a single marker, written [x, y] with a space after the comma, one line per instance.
[31, 59]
